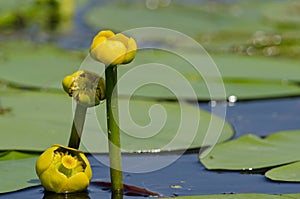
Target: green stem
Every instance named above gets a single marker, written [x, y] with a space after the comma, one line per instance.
[113, 130]
[77, 127]
[116, 196]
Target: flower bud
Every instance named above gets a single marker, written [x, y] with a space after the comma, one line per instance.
[63, 170]
[86, 88]
[112, 49]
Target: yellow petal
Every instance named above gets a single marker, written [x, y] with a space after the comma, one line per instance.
[49, 170]
[88, 170]
[131, 51]
[67, 83]
[97, 41]
[45, 160]
[113, 49]
[120, 37]
[76, 183]
[52, 180]
[109, 52]
[106, 33]
[100, 37]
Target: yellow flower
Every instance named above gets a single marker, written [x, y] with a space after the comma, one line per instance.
[63, 170]
[112, 49]
[86, 88]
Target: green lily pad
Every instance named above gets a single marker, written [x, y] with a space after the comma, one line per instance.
[190, 18]
[36, 66]
[243, 196]
[44, 67]
[289, 173]
[239, 74]
[15, 155]
[39, 119]
[287, 14]
[251, 152]
[17, 170]
[17, 174]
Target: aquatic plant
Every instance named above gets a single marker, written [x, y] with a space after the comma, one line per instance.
[112, 50]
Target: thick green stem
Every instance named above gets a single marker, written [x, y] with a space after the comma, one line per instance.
[77, 127]
[116, 196]
[113, 130]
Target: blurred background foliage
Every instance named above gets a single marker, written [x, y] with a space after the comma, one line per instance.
[267, 28]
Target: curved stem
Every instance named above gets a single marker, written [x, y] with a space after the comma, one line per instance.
[77, 127]
[113, 130]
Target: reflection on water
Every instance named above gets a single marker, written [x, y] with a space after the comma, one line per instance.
[79, 195]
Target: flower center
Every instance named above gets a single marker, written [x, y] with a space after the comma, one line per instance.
[69, 162]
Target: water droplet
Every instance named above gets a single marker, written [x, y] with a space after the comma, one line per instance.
[213, 103]
[232, 98]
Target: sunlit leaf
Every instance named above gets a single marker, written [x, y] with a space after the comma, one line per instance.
[36, 66]
[290, 173]
[252, 152]
[190, 18]
[15, 155]
[45, 67]
[17, 174]
[239, 77]
[39, 119]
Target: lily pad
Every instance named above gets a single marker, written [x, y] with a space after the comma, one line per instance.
[44, 67]
[17, 170]
[289, 173]
[190, 18]
[239, 75]
[251, 152]
[287, 14]
[39, 119]
[243, 196]
[36, 66]
[15, 155]
[17, 174]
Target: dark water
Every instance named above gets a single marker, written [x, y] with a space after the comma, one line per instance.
[187, 176]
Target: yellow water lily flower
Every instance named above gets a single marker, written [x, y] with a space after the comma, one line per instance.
[86, 88]
[63, 170]
[112, 49]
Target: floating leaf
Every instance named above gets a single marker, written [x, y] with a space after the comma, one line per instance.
[239, 74]
[17, 170]
[15, 155]
[39, 119]
[45, 67]
[252, 152]
[17, 174]
[36, 66]
[289, 173]
[186, 16]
